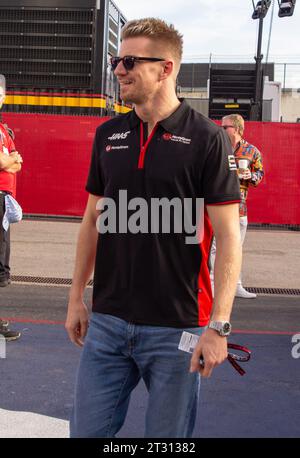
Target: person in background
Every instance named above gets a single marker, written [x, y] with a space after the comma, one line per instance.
[10, 164]
[250, 170]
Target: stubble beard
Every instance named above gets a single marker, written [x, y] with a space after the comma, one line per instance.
[132, 98]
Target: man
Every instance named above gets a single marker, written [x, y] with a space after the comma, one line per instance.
[150, 287]
[251, 175]
[10, 164]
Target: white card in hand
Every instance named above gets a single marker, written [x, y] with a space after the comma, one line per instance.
[188, 342]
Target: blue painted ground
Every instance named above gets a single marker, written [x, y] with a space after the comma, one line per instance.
[39, 372]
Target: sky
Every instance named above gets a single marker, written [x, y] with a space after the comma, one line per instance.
[224, 28]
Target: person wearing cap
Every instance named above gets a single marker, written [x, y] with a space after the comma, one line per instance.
[10, 164]
[250, 170]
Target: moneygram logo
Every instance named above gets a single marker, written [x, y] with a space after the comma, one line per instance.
[174, 138]
[110, 147]
[156, 216]
[167, 136]
[296, 347]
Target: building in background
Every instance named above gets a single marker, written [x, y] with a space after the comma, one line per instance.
[280, 103]
[55, 55]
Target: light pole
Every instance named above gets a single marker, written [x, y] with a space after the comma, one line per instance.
[286, 8]
[258, 76]
[259, 12]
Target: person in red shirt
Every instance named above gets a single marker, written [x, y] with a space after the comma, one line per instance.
[10, 164]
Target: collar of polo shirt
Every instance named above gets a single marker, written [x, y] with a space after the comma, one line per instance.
[172, 124]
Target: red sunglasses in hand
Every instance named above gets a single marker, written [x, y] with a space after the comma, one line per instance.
[243, 356]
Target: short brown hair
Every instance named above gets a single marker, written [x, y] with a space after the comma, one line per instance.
[158, 30]
[237, 121]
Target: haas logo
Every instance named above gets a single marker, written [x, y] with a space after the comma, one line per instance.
[119, 136]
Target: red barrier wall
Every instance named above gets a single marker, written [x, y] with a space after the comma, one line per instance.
[277, 199]
[56, 152]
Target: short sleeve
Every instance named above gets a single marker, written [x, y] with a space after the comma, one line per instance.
[95, 182]
[220, 183]
[257, 168]
[11, 145]
[8, 140]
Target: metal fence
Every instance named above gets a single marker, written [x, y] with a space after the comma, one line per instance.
[287, 73]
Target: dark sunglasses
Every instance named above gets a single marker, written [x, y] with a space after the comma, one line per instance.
[227, 127]
[243, 356]
[129, 61]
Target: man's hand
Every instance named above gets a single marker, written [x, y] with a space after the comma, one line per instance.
[12, 163]
[10, 160]
[78, 317]
[213, 349]
[77, 321]
[18, 158]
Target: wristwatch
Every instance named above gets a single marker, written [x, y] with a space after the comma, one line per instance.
[222, 327]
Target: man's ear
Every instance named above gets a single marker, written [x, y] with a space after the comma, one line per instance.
[167, 69]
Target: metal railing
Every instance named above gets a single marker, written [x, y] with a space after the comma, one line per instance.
[287, 73]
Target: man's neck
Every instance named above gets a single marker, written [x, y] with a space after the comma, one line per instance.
[236, 142]
[157, 109]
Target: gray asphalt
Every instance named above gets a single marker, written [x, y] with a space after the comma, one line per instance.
[36, 392]
[38, 374]
[43, 302]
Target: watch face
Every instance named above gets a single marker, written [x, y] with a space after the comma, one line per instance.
[226, 328]
[222, 327]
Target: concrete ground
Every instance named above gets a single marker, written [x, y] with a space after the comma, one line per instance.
[47, 249]
[38, 373]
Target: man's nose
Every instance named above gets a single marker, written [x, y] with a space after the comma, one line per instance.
[120, 69]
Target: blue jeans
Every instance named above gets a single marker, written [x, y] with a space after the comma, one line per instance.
[115, 356]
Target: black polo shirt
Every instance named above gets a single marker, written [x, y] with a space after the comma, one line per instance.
[157, 278]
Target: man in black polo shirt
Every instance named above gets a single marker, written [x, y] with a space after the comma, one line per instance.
[151, 281]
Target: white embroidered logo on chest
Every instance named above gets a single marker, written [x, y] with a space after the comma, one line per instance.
[174, 138]
[119, 136]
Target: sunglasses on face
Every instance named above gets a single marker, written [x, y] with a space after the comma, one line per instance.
[227, 127]
[129, 61]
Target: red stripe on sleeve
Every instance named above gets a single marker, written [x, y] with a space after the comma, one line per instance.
[225, 203]
[205, 299]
